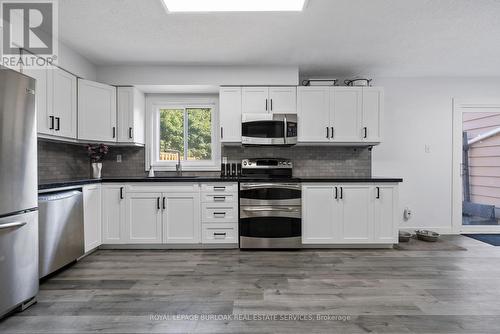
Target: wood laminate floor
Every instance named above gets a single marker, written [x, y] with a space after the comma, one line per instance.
[378, 291]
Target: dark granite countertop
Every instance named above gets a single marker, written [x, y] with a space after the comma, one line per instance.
[74, 183]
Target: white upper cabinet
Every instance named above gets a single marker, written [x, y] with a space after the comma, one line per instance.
[255, 100]
[230, 114]
[314, 114]
[56, 102]
[62, 101]
[345, 114]
[353, 115]
[131, 115]
[96, 111]
[373, 99]
[261, 100]
[283, 100]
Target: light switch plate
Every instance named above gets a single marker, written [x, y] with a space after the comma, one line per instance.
[118, 158]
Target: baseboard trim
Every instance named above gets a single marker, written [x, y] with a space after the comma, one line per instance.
[170, 246]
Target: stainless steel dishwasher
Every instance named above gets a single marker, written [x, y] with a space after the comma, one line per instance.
[60, 230]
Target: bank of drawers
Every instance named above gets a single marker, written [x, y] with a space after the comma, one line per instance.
[219, 213]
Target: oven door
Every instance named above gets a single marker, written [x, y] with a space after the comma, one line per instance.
[270, 194]
[270, 223]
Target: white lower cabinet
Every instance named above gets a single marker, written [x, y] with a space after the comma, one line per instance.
[348, 214]
[92, 216]
[113, 213]
[143, 218]
[181, 218]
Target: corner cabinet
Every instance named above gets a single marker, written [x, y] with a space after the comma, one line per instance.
[347, 214]
[131, 115]
[340, 115]
[96, 111]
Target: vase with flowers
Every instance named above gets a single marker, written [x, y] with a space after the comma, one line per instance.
[96, 153]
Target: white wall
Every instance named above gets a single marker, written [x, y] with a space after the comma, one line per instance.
[418, 112]
[198, 75]
[75, 63]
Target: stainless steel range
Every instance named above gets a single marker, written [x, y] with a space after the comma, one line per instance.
[270, 205]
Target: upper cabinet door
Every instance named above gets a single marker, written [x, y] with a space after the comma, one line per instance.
[96, 111]
[373, 99]
[255, 100]
[283, 100]
[130, 119]
[313, 114]
[345, 114]
[45, 121]
[62, 102]
[230, 114]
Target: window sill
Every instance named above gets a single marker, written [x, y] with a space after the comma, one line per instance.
[186, 168]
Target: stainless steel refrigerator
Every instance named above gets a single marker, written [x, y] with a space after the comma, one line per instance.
[18, 191]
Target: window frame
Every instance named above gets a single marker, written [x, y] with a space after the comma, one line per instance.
[153, 148]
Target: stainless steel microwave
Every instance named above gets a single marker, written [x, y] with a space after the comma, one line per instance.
[269, 129]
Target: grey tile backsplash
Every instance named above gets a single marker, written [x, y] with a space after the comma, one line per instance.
[60, 161]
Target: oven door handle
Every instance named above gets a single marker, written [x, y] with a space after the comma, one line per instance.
[270, 185]
[264, 209]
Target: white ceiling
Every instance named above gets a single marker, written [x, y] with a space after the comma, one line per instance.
[335, 37]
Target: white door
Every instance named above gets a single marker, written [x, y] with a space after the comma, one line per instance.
[373, 99]
[92, 216]
[96, 111]
[181, 218]
[476, 166]
[345, 114]
[44, 119]
[113, 214]
[384, 223]
[283, 100]
[125, 114]
[62, 100]
[320, 213]
[356, 221]
[255, 100]
[143, 218]
[313, 114]
[230, 114]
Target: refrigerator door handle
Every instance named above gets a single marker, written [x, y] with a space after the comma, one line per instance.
[12, 225]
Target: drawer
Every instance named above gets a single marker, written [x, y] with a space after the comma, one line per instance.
[219, 213]
[219, 233]
[219, 187]
[219, 198]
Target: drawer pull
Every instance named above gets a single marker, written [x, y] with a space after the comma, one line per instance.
[219, 198]
[223, 214]
[220, 188]
[218, 235]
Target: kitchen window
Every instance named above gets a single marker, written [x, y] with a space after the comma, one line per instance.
[188, 130]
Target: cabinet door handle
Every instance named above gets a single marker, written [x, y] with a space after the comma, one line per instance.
[266, 104]
[331, 135]
[341, 192]
[221, 132]
[114, 132]
[164, 203]
[327, 133]
[130, 133]
[378, 192]
[158, 203]
[271, 104]
[336, 193]
[58, 122]
[365, 130]
[51, 122]
[121, 192]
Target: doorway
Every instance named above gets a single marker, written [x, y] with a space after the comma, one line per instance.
[476, 166]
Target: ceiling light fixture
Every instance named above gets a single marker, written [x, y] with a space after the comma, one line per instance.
[174, 6]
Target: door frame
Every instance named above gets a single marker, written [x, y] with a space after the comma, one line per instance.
[460, 106]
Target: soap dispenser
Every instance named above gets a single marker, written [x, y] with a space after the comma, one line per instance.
[151, 172]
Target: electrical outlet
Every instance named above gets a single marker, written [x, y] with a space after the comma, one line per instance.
[408, 213]
[118, 158]
[427, 148]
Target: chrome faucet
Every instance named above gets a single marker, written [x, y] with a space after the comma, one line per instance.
[178, 166]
